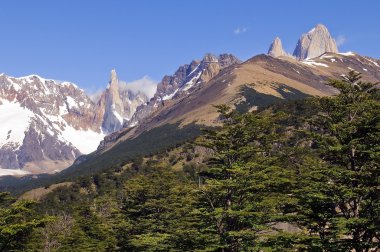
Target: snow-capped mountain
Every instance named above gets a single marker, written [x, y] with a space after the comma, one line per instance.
[44, 124]
[185, 80]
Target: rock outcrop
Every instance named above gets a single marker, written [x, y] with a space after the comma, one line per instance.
[315, 43]
[44, 123]
[117, 105]
[275, 49]
[184, 81]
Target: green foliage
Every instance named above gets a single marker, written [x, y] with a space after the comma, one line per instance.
[241, 190]
[17, 222]
[159, 209]
[339, 194]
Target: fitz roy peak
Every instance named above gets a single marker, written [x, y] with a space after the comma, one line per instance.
[315, 43]
[311, 45]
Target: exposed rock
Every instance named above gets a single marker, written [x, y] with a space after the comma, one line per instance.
[185, 80]
[315, 43]
[117, 105]
[44, 120]
[275, 49]
[261, 81]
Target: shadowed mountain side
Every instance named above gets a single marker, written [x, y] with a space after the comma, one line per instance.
[252, 97]
[151, 142]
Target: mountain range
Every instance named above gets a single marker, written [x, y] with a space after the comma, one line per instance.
[46, 125]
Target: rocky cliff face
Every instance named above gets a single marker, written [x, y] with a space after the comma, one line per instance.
[117, 105]
[275, 49]
[315, 43]
[312, 44]
[257, 82]
[185, 80]
[44, 122]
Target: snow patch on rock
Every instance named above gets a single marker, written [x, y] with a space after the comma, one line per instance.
[14, 121]
[347, 54]
[313, 63]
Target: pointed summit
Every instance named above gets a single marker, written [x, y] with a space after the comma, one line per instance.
[113, 83]
[113, 106]
[210, 58]
[275, 49]
[315, 43]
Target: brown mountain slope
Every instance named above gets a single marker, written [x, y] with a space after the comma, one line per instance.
[258, 81]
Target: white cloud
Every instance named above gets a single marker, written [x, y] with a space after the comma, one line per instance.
[340, 40]
[145, 85]
[240, 30]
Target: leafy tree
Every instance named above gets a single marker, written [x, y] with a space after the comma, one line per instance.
[339, 193]
[244, 185]
[18, 220]
[159, 213]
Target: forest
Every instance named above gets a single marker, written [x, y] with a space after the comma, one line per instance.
[294, 176]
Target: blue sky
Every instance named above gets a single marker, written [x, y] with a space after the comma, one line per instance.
[82, 40]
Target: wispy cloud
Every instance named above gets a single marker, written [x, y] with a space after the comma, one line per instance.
[145, 85]
[240, 30]
[340, 40]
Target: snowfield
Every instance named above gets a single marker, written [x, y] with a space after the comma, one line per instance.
[12, 172]
[14, 121]
[86, 141]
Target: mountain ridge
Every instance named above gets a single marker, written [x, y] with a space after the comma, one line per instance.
[47, 124]
[186, 97]
[263, 74]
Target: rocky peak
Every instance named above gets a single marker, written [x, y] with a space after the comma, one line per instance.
[275, 49]
[193, 66]
[44, 124]
[114, 92]
[184, 81]
[117, 105]
[113, 80]
[315, 43]
[226, 60]
[210, 58]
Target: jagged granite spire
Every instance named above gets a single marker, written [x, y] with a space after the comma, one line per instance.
[113, 79]
[315, 43]
[117, 104]
[275, 49]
